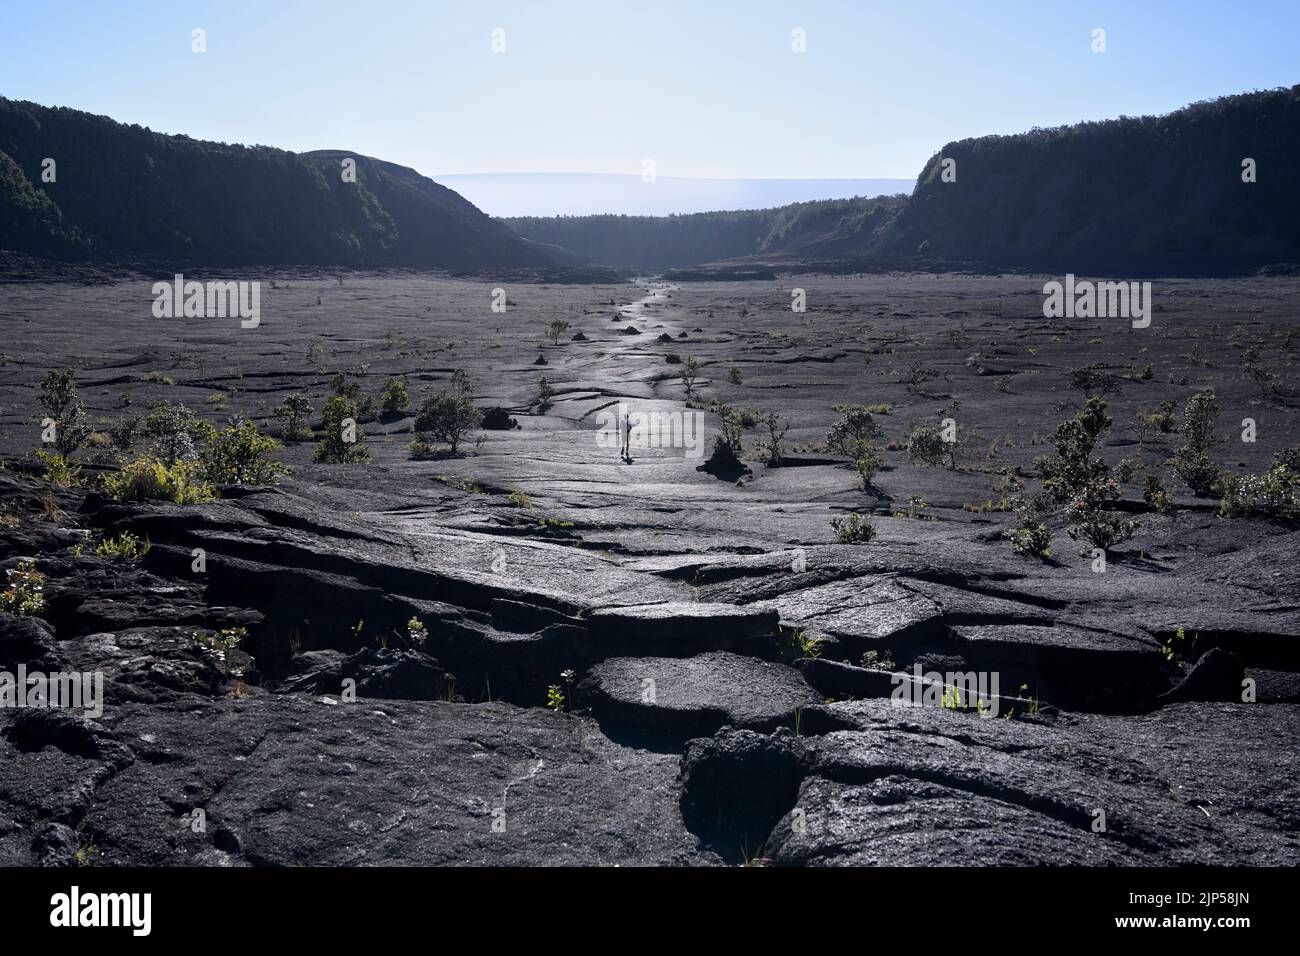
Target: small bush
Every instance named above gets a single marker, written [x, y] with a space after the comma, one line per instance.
[447, 417]
[925, 445]
[63, 406]
[853, 528]
[175, 433]
[1157, 496]
[867, 461]
[124, 547]
[1273, 494]
[1191, 461]
[25, 592]
[339, 424]
[293, 413]
[1091, 519]
[395, 397]
[150, 479]
[59, 470]
[855, 425]
[520, 499]
[239, 455]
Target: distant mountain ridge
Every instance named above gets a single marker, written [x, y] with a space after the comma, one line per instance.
[518, 195]
[666, 242]
[126, 190]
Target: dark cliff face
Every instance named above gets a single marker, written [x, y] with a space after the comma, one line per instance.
[1136, 193]
[125, 190]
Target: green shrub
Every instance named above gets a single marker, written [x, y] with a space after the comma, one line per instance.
[150, 479]
[176, 433]
[58, 470]
[856, 425]
[63, 406]
[867, 462]
[239, 455]
[925, 446]
[124, 547]
[1274, 493]
[293, 413]
[395, 397]
[447, 417]
[25, 592]
[339, 422]
[1191, 461]
[1072, 469]
[853, 528]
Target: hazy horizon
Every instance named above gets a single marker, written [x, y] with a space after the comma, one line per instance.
[582, 194]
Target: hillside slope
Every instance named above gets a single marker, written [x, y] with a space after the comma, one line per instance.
[126, 190]
[1144, 194]
[1135, 193]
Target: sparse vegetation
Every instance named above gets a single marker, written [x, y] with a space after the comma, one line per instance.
[64, 412]
[340, 434]
[853, 528]
[1191, 461]
[152, 479]
[395, 397]
[240, 455]
[24, 593]
[293, 413]
[123, 547]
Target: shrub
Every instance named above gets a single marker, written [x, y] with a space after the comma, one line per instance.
[339, 424]
[1092, 380]
[293, 413]
[853, 528]
[1093, 521]
[690, 370]
[416, 631]
[520, 499]
[867, 462]
[731, 431]
[447, 417]
[151, 479]
[1031, 538]
[776, 429]
[239, 455]
[126, 432]
[855, 425]
[176, 433]
[544, 393]
[925, 445]
[124, 547]
[733, 374]
[395, 397]
[1156, 496]
[557, 328]
[58, 470]
[1072, 470]
[62, 405]
[25, 592]
[1274, 493]
[1191, 460]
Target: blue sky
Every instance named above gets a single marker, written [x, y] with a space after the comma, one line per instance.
[705, 88]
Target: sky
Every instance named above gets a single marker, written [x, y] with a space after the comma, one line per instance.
[705, 88]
